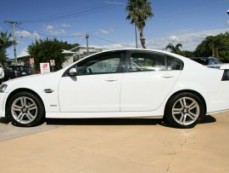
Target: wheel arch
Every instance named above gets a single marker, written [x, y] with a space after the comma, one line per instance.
[23, 90]
[188, 91]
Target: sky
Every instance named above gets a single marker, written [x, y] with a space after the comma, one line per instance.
[177, 21]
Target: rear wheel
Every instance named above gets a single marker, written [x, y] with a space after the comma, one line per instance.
[25, 109]
[184, 110]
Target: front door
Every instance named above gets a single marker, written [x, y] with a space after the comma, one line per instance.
[96, 88]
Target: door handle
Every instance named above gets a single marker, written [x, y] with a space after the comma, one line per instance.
[167, 76]
[111, 79]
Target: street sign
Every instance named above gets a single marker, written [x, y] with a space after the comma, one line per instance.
[52, 62]
[44, 67]
[31, 61]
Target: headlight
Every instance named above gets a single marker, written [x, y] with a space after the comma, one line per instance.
[3, 88]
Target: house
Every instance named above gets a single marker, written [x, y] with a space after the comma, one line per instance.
[71, 55]
[77, 53]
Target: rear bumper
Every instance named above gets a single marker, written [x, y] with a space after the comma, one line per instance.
[2, 104]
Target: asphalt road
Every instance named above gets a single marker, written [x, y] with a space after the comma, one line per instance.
[111, 145]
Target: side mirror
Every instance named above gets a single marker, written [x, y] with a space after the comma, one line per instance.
[72, 72]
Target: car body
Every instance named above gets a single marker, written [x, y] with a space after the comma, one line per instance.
[14, 71]
[124, 83]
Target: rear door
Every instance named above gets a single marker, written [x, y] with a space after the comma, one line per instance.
[148, 81]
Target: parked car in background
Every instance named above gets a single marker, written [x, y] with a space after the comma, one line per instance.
[207, 60]
[123, 83]
[14, 71]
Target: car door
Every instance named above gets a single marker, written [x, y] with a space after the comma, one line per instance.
[148, 81]
[96, 88]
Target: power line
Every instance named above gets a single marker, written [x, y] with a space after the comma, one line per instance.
[85, 12]
[51, 36]
[83, 35]
[110, 41]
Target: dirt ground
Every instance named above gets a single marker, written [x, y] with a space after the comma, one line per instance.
[116, 146]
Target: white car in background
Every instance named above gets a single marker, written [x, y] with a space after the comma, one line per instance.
[125, 83]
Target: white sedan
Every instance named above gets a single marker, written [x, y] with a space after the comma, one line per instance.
[125, 83]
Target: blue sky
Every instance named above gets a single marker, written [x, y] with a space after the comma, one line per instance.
[177, 21]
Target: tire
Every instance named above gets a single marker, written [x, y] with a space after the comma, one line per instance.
[184, 110]
[25, 109]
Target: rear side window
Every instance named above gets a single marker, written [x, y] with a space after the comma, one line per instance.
[146, 62]
[174, 63]
[153, 62]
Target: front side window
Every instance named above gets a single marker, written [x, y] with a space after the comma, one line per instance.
[100, 64]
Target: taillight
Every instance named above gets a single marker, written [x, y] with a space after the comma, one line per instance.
[225, 75]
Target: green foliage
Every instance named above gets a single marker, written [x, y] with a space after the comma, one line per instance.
[45, 50]
[138, 12]
[217, 46]
[188, 54]
[5, 42]
[2, 56]
[175, 49]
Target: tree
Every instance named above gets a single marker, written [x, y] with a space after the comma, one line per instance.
[138, 12]
[175, 49]
[217, 46]
[45, 50]
[5, 42]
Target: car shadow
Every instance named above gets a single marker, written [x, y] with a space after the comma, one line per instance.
[103, 121]
[119, 121]
[4, 121]
[205, 120]
[113, 121]
[208, 119]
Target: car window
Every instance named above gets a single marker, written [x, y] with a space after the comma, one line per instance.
[100, 64]
[174, 63]
[146, 62]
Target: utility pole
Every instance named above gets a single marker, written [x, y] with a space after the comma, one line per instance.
[136, 35]
[13, 23]
[87, 37]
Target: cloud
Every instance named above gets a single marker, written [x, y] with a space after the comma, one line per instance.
[23, 52]
[105, 31]
[174, 38]
[26, 34]
[54, 30]
[65, 25]
[189, 40]
[78, 34]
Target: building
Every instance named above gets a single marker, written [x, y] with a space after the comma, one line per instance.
[71, 55]
[77, 53]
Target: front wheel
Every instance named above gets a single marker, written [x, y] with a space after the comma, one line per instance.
[25, 109]
[184, 110]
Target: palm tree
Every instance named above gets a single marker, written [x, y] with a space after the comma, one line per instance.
[5, 42]
[174, 49]
[214, 43]
[138, 12]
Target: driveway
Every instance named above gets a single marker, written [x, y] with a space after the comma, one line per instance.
[101, 146]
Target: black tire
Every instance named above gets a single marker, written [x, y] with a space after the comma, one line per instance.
[184, 110]
[25, 109]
